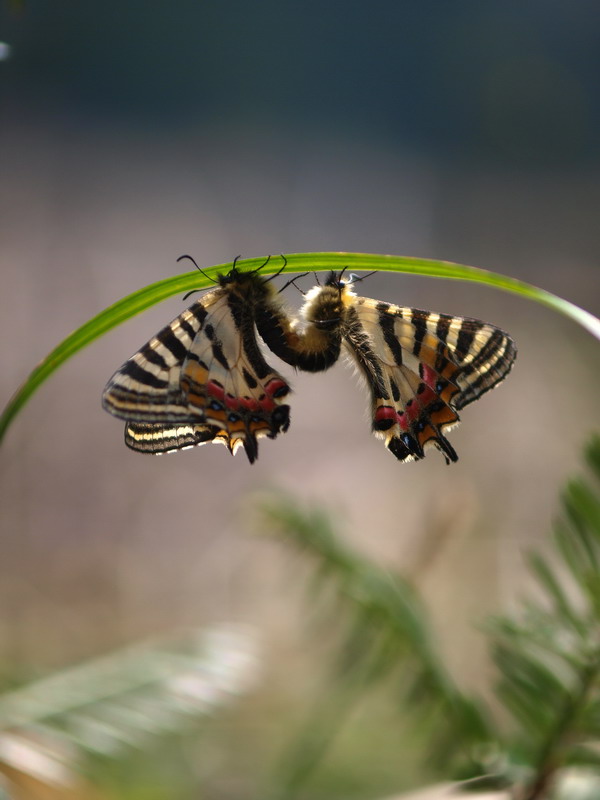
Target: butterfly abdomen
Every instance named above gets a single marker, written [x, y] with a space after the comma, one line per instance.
[312, 347]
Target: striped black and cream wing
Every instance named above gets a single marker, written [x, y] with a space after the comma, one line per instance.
[422, 368]
[157, 438]
[471, 355]
[226, 376]
[147, 388]
[202, 378]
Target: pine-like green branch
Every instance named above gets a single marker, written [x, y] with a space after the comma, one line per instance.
[550, 661]
[110, 704]
[548, 656]
[382, 631]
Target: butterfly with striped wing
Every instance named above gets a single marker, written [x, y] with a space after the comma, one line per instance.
[421, 367]
[203, 378]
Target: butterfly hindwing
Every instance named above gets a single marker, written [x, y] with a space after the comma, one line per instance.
[203, 378]
[158, 438]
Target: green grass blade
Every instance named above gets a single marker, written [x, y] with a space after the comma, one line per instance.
[296, 262]
[112, 316]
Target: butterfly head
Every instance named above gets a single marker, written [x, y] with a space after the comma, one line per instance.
[339, 280]
[247, 286]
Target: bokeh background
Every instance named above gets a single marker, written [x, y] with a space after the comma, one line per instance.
[134, 132]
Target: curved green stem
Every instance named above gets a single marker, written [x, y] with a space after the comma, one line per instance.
[296, 262]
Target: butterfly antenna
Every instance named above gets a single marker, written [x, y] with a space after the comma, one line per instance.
[279, 271]
[357, 278]
[258, 269]
[194, 262]
[292, 282]
[187, 294]
[190, 258]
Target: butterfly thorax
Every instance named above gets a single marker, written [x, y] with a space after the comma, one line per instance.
[324, 307]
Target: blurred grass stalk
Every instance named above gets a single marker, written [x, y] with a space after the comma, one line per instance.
[547, 660]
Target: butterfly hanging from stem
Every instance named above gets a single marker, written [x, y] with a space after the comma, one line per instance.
[421, 367]
[203, 377]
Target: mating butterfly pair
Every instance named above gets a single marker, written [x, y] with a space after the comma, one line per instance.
[203, 378]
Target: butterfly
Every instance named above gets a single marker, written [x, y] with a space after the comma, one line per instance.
[422, 368]
[203, 378]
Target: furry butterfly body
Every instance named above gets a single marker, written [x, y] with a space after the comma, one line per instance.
[421, 367]
[203, 378]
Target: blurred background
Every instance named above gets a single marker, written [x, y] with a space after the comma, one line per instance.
[135, 132]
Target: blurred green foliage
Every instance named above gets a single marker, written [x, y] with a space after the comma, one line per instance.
[547, 657]
[390, 714]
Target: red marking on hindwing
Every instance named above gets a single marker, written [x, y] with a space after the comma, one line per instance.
[430, 376]
[268, 405]
[427, 396]
[275, 385]
[413, 410]
[232, 402]
[403, 421]
[249, 403]
[385, 412]
[215, 390]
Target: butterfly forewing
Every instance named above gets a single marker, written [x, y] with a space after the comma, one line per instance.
[203, 378]
[470, 355]
[147, 387]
